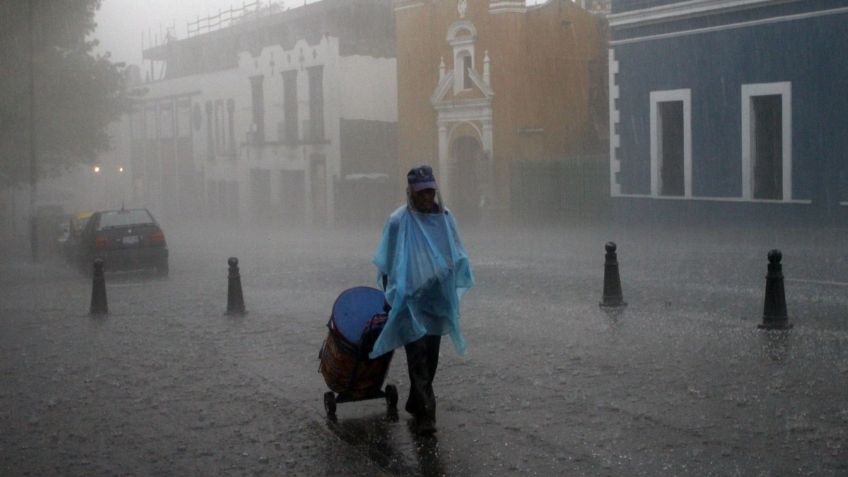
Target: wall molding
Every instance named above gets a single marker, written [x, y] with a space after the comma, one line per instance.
[408, 6]
[717, 199]
[684, 10]
[507, 6]
[732, 26]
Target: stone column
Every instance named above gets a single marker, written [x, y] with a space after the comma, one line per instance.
[309, 214]
[488, 173]
[444, 159]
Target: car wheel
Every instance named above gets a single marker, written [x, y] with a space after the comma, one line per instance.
[330, 404]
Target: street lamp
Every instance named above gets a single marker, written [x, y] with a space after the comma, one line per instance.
[97, 169]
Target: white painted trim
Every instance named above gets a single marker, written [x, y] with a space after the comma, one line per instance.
[442, 88]
[684, 10]
[459, 53]
[449, 116]
[615, 141]
[684, 95]
[478, 81]
[454, 125]
[507, 6]
[545, 3]
[458, 26]
[508, 10]
[444, 176]
[409, 7]
[715, 199]
[462, 46]
[465, 111]
[784, 89]
[732, 26]
[845, 203]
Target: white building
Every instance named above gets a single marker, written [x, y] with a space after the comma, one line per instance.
[276, 117]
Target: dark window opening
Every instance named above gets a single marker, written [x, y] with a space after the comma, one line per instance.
[210, 137]
[466, 72]
[231, 134]
[316, 103]
[183, 122]
[220, 138]
[767, 146]
[290, 116]
[318, 186]
[672, 178]
[258, 101]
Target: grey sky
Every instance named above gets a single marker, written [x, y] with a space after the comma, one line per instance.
[121, 23]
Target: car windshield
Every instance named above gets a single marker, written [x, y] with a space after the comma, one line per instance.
[122, 218]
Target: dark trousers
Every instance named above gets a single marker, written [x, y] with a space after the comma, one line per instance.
[422, 358]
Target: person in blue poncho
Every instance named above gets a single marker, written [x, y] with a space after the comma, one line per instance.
[424, 270]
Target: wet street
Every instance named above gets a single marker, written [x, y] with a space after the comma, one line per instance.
[680, 382]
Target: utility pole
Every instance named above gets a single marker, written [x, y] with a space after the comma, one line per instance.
[33, 156]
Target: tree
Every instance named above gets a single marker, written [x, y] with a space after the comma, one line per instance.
[77, 93]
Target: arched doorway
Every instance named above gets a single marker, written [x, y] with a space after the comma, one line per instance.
[466, 188]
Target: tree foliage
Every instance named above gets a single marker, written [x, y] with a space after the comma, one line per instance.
[77, 92]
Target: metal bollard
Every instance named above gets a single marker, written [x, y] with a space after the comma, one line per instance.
[612, 282]
[774, 305]
[98, 290]
[235, 299]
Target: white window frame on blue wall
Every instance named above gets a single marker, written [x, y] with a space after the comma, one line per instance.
[749, 91]
[656, 97]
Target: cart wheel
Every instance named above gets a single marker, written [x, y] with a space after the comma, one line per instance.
[330, 404]
[391, 397]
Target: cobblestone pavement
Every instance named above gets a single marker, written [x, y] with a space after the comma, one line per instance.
[679, 383]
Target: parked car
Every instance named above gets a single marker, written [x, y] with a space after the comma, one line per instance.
[126, 239]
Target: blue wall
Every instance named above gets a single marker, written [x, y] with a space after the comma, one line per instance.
[809, 53]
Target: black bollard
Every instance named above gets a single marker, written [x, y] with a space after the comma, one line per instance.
[612, 282]
[774, 306]
[98, 290]
[235, 300]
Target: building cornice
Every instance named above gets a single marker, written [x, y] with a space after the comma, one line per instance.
[507, 6]
[732, 26]
[466, 110]
[684, 10]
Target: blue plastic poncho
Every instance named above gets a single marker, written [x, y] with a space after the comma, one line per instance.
[428, 272]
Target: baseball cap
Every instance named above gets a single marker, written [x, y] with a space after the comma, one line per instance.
[420, 178]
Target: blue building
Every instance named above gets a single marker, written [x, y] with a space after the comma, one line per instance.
[729, 108]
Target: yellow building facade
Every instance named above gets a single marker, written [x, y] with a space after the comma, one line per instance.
[483, 84]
